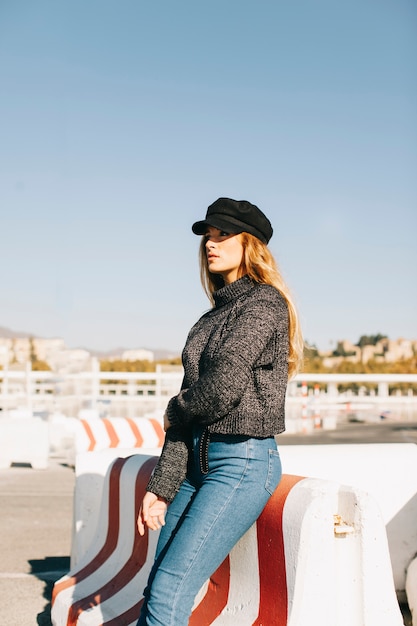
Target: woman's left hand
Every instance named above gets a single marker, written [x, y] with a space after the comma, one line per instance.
[166, 422]
[152, 512]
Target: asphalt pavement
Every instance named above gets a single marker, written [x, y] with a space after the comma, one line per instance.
[36, 521]
[35, 539]
[383, 431]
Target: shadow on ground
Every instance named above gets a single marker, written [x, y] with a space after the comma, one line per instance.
[49, 570]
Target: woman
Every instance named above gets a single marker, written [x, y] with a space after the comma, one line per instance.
[220, 462]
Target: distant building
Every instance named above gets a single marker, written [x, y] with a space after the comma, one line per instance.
[348, 349]
[138, 355]
[70, 361]
[23, 349]
[17, 351]
[397, 350]
[384, 351]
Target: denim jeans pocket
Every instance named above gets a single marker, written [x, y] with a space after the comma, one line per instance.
[274, 471]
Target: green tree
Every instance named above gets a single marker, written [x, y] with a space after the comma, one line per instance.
[32, 351]
[370, 340]
[40, 366]
[37, 364]
[119, 365]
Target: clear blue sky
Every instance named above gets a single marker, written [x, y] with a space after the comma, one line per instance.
[120, 122]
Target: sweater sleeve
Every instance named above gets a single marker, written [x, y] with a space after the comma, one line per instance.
[171, 469]
[220, 387]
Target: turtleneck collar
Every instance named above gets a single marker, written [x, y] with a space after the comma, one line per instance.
[229, 292]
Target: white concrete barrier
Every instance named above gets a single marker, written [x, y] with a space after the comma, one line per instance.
[411, 589]
[293, 567]
[24, 440]
[337, 575]
[62, 435]
[388, 472]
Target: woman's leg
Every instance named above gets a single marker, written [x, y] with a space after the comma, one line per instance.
[175, 512]
[242, 476]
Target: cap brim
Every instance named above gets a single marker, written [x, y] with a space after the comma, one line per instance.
[200, 228]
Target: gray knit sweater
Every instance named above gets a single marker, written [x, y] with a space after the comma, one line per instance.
[235, 376]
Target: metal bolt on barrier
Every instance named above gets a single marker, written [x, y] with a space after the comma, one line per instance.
[341, 528]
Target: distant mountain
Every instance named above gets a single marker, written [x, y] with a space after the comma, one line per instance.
[105, 354]
[13, 334]
[159, 354]
[165, 354]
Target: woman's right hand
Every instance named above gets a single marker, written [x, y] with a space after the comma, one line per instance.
[152, 512]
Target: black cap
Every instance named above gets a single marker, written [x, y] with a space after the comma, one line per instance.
[235, 216]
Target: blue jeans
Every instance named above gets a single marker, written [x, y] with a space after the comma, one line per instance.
[207, 517]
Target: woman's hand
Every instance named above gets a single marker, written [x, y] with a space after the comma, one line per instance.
[152, 512]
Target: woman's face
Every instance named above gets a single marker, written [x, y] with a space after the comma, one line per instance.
[224, 253]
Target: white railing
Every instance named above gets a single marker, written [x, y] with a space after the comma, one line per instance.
[141, 392]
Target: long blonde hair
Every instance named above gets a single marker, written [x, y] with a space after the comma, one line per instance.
[259, 264]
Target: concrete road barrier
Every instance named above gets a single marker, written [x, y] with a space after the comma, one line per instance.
[118, 432]
[387, 471]
[62, 436]
[91, 486]
[70, 436]
[318, 554]
[24, 440]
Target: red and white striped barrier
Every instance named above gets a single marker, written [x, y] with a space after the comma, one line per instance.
[293, 567]
[118, 432]
[91, 488]
[70, 436]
